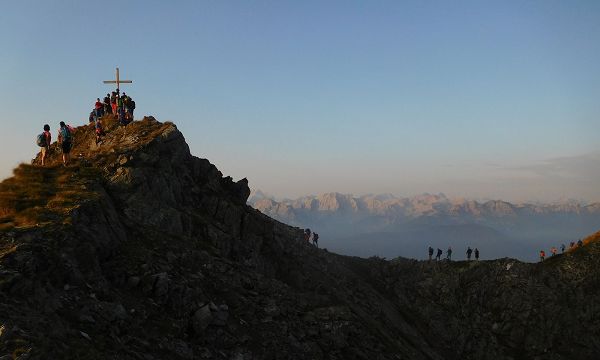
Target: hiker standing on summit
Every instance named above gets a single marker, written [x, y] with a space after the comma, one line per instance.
[469, 251]
[430, 251]
[65, 139]
[43, 140]
[99, 108]
[106, 104]
[113, 102]
[438, 255]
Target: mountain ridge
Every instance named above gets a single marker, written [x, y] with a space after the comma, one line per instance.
[139, 250]
[388, 202]
[526, 228]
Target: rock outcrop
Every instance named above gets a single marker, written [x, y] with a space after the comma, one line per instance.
[139, 250]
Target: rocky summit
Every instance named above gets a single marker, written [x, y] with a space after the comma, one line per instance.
[139, 250]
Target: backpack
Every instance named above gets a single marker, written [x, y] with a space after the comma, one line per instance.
[132, 104]
[41, 140]
[65, 133]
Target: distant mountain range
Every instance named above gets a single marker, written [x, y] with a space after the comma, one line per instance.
[390, 226]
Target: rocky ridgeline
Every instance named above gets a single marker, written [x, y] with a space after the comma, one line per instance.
[139, 250]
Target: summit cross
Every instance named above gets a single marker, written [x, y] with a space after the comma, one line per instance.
[117, 81]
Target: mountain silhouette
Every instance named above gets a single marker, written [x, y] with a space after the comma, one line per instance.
[139, 250]
[407, 226]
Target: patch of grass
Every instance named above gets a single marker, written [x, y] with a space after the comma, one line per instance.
[592, 238]
[37, 195]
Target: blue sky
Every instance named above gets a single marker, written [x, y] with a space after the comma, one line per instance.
[471, 98]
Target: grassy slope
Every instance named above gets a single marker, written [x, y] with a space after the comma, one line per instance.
[38, 195]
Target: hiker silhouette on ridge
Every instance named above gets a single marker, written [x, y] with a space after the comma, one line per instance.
[65, 139]
[106, 104]
[43, 141]
[307, 234]
[99, 108]
[438, 256]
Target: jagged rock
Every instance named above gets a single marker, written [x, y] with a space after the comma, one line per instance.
[120, 313]
[220, 314]
[133, 281]
[86, 318]
[202, 318]
[161, 284]
[272, 310]
[182, 349]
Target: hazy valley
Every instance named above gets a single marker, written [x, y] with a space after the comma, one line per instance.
[391, 226]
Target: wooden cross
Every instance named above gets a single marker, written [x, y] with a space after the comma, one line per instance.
[117, 81]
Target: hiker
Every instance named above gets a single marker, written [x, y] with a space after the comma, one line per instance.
[553, 250]
[99, 131]
[542, 255]
[579, 243]
[65, 139]
[122, 119]
[99, 108]
[125, 101]
[316, 239]
[449, 254]
[469, 251]
[476, 254]
[131, 106]
[106, 104]
[128, 104]
[571, 244]
[430, 251]
[43, 140]
[119, 102]
[438, 256]
[92, 118]
[307, 236]
[128, 117]
[562, 248]
[113, 102]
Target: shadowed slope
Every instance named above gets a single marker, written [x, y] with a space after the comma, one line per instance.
[139, 250]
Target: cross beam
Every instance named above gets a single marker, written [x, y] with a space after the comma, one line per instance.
[117, 81]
